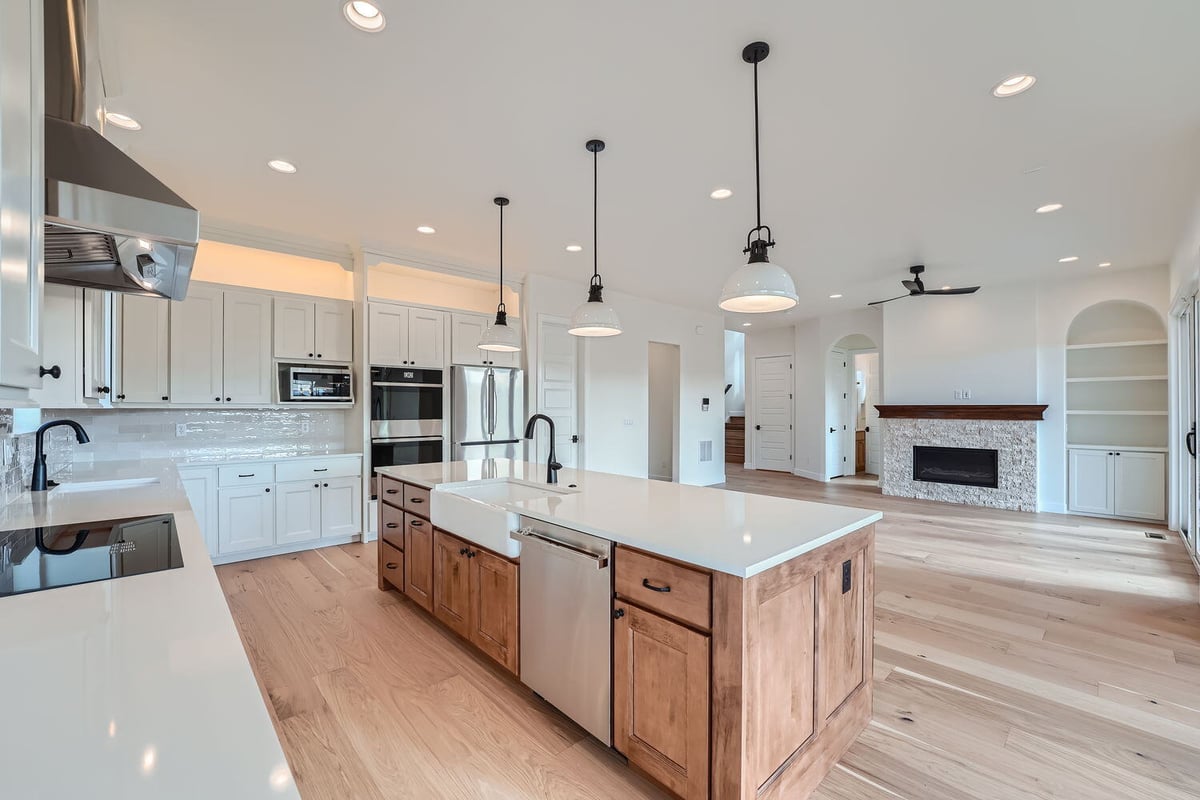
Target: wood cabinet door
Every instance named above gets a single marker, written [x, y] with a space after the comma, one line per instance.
[335, 331]
[247, 353]
[297, 512]
[426, 338]
[245, 518]
[196, 347]
[1089, 481]
[841, 632]
[1140, 485]
[661, 699]
[494, 613]
[295, 328]
[145, 360]
[452, 582]
[387, 335]
[418, 565]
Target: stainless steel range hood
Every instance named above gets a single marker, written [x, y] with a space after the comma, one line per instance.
[110, 224]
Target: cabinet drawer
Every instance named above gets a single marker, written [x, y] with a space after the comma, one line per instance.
[416, 500]
[391, 525]
[246, 475]
[391, 491]
[391, 565]
[304, 470]
[672, 589]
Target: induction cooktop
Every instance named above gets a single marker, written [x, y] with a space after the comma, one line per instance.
[35, 559]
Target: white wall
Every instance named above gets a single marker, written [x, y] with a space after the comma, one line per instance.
[1185, 265]
[735, 373]
[985, 342]
[614, 396]
[1057, 305]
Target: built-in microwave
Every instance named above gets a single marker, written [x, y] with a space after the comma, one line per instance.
[310, 383]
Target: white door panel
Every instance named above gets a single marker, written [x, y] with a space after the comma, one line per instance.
[1140, 483]
[1090, 479]
[557, 389]
[773, 413]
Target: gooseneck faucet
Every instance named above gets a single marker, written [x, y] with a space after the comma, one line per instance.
[552, 465]
[39, 456]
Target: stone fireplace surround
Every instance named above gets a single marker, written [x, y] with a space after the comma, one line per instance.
[1011, 430]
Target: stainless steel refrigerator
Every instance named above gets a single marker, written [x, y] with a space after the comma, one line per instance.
[487, 413]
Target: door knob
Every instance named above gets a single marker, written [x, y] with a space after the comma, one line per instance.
[54, 372]
[758, 427]
[833, 430]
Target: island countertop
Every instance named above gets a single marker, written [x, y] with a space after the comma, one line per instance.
[136, 687]
[732, 532]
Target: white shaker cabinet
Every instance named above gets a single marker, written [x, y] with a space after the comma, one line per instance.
[245, 518]
[200, 483]
[403, 336]
[62, 339]
[341, 506]
[197, 351]
[297, 511]
[426, 338]
[21, 197]
[99, 353]
[246, 361]
[334, 330]
[314, 330]
[1117, 483]
[144, 347]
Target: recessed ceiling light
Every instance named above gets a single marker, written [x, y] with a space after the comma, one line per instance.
[364, 16]
[122, 121]
[834, 296]
[1048, 208]
[747, 324]
[720, 194]
[1068, 259]
[1103, 264]
[1014, 85]
[426, 229]
[574, 248]
[279, 165]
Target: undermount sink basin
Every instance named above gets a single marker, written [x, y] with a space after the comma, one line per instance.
[476, 510]
[104, 486]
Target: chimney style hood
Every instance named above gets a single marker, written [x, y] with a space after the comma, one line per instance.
[110, 224]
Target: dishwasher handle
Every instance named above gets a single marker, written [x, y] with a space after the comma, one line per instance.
[533, 537]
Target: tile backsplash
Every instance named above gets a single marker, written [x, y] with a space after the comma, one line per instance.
[130, 434]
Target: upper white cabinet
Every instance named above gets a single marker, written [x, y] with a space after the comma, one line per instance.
[314, 329]
[197, 352]
[246, 333]
[99, 355]
[144, 350]
[1120, 483]
[406, 336]
[21, 196]
[62, 315]
[465, 332]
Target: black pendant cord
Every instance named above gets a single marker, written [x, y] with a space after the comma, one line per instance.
[757, 172]
[501, 314]
[754, 53]
[595, 216]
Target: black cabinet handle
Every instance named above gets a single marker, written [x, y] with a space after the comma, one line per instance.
[251, 475]
[319, 355]
[831, 430]
[392, 565]
[326, 485]
[323, 469]
[268, 490]
[462, 551]
[1189, 440]
[103, 390]
[165, 397]
[391, 525]
[620, 612]
[470, 553]
[310, 355]
[316, 486]
[54, 372]
[646, 583]
[217, 399]
[416, 523]
[392, 491]
[120, 397]
[228, 399]
[417, 500]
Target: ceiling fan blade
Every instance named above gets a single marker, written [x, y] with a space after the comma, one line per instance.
[890, 299]
[914, 287]
[964, 290]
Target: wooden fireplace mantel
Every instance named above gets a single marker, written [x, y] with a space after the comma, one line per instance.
[1033, 413]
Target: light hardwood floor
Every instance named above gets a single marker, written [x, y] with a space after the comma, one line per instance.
[1016, 656]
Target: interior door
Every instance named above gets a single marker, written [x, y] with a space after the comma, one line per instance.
[557, 394]
[1190, 378]
[836, 424]
[773, 413]
[874, 429]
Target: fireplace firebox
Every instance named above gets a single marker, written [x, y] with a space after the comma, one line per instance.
[962, 466]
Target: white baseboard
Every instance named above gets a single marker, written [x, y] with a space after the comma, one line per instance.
[748, 465]
[807, 473]
[267, 552]
[1053, 508]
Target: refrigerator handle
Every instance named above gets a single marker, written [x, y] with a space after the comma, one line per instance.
[491, 403]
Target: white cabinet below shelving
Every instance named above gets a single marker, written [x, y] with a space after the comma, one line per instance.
[1117, 483]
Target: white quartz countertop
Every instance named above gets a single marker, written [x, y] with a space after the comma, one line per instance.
[732, 532]
[136, 687]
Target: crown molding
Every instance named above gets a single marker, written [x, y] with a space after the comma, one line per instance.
[266, 239]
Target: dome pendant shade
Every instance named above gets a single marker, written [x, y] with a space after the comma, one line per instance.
[759, 287]
[500, 337]
[595, 317]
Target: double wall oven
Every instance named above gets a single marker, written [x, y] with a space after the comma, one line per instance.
[406, 416]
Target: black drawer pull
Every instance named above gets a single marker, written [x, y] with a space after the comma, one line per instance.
[392, 565]
[462, 551]
[322, 469]
[391, 525]
[646, 583]
[416, 523]
[251, 475]
[392, 491]
[54, 372]
[417, 500]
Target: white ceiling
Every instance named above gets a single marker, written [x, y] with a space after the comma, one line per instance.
[882, 144]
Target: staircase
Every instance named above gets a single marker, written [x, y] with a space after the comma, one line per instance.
[735, 440]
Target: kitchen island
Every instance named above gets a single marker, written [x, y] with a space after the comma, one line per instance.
[741, 624]
[132, 687]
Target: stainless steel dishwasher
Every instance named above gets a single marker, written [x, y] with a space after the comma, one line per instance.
[566, 622]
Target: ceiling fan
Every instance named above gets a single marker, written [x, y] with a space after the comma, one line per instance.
[916, 287]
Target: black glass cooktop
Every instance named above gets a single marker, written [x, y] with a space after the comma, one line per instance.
[33, 559]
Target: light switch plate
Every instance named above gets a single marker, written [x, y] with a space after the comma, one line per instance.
[181, 429]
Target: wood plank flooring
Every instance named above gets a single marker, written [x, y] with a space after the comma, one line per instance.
[1016, 656]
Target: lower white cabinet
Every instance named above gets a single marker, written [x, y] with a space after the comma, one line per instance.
[1117, 483]
[341, 506]
[245, 519]
[200, 483]
[297, 512]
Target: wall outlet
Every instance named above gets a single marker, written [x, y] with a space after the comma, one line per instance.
[306, 427]
[181, 429]
[966, 394]
[962, 394]
[628, 421]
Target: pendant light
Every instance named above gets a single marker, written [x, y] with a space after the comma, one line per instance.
[595, 317]
[759, 286]
[499, 337]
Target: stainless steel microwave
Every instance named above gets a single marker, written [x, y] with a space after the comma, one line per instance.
[322, 384]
